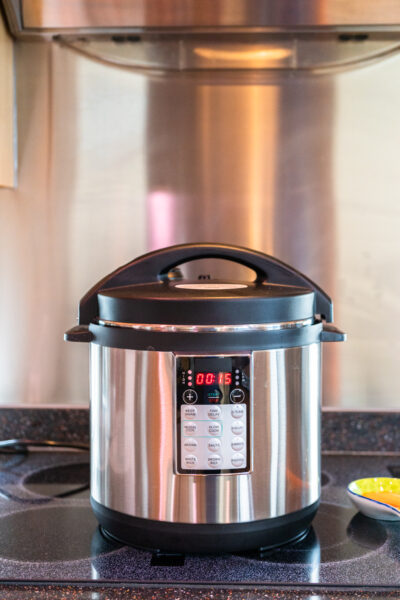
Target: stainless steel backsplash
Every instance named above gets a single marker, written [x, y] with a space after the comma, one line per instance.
[113, 163]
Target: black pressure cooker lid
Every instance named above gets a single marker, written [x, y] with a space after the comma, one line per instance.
[141, 292]
[206, 303]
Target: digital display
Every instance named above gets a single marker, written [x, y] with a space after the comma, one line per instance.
[221, 378]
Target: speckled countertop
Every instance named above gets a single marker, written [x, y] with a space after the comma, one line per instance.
[50, 546]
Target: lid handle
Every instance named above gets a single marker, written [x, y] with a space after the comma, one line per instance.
[155, 266]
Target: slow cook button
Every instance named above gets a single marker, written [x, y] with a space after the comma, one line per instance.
[214, 429]
[214, 445]
[190, 461]
[189, 412]
[237, 443]
[214, 461]
[189, 428]
[237, 427]
[190, 444]
[214, 412]
[237, 460]
[237, 411]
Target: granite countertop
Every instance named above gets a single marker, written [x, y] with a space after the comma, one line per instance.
[51, 547]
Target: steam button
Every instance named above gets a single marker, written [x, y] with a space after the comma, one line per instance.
[237, 443]
[189, 396]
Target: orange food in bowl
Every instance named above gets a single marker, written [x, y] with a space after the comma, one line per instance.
[386, 497]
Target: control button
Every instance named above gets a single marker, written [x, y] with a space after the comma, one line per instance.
[190, 444]
[237, 395]
[189, 428]
[237, 412]
[237, 427]
[214, 461]
[214, 412]
[214, 396]
[214, 429]
[237, 460]
[214, 445]
[190, 461]
[189, 396]
[190, 412]
[237, 443]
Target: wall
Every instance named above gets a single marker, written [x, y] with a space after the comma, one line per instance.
[113, 163]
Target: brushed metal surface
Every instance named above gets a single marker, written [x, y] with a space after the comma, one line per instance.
[133, 441]
[114, 163]
[133, 15]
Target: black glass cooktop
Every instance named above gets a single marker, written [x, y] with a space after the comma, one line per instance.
[48, 532]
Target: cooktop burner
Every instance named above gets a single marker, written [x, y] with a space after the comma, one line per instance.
[48, 532]
[335, 535]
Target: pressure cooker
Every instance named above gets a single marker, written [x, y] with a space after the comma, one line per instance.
[205, 401]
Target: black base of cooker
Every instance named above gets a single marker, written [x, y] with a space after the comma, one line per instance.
[164, 536]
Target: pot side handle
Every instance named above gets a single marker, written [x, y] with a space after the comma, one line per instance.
[330, 333]
[155, 266]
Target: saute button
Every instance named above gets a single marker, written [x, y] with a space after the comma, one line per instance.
[191, 444]
[190, 460]
[237, 395]
[237, 411]
[214, 428]
[237, 460]
[214, 461]
[189, 412]
[237, 427]
[237, 443]
[214, 412]
[189, 428]
[189, 396]
[214, 445]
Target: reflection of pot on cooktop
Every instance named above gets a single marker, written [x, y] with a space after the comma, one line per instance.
[336, 534]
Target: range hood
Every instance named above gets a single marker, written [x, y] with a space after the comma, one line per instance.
[58, 17]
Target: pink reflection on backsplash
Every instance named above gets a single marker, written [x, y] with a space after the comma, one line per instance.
[161, 214]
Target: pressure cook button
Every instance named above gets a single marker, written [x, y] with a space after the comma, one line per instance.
[214, 445]
[237, 412]
[237, 460]
[237, 443]
[214, 412]
[189, 428]
[214, 429]
[190, 444]
[189, 396]
[190, 460]
[189, 412]
[237, 395]
[237, 427]
[214, 461]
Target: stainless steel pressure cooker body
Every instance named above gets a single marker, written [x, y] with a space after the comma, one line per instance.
[205, 402]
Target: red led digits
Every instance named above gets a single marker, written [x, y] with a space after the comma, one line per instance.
[227, 378]
[212, 378]
[199, 378]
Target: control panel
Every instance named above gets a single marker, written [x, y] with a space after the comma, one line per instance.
[213, 414]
